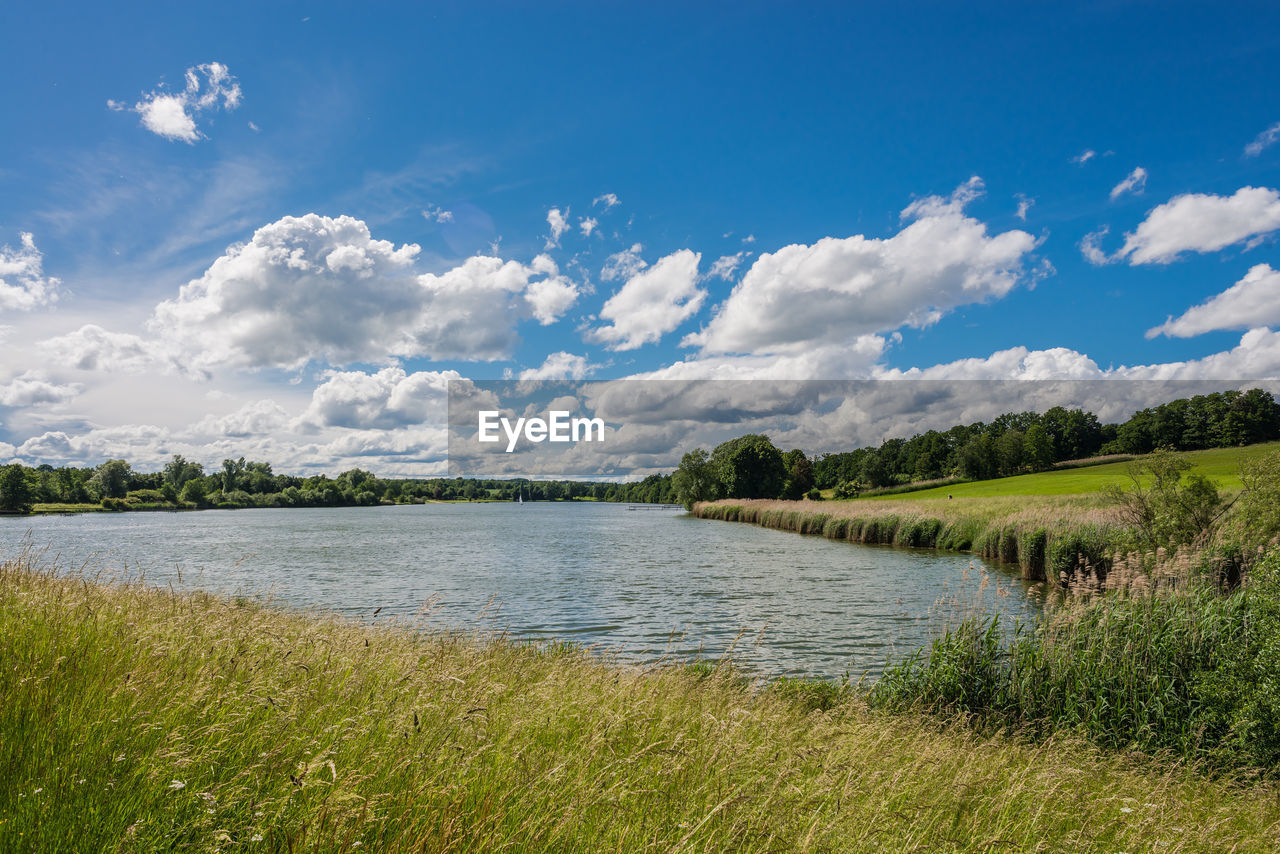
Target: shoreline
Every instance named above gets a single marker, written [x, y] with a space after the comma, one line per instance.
[1044, 538]
[198, 720]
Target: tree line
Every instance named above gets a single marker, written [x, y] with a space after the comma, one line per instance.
[749, 466]
[240, 483]
[1013, 443]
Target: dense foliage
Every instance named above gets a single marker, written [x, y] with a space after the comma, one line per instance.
[1015, 443]
[1179, 666]
[242, 483]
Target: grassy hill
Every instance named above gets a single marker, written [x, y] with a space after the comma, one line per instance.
[1221, 465]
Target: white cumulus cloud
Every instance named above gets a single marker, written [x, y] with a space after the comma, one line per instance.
[92, 348]
[623, 265]
[32, 387]
[724, 266]
[1252, 302]
[1135, 182]
[560, 366]
[23, 284]
[387, 399]
[1198, 222]
[172, 115]
[316, 288]
[609, 200]
[839, 289]
[652, 302]
[558, 223]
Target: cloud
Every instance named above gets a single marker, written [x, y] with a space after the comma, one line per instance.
[1256, 357]
[588, 224]
[1263, 141]
[388, 399]
[1024, 205]
[1252, 302]
[839, 289]
[623, 265]
[172, 115]
[1197, 222]
[856, 358]
[1092, 251]
[92, 348]
[1135, 182]
[23, 284]
[433, 213]
[652, 303]
[257, 418]
[725, 265]
[33, 387]
[609, 200]
[1084, 156]
[315, 288]
[558, 223]
[560, 366]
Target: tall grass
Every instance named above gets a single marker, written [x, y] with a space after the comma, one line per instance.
[1045, 538]
[1155, 657]
[137, 719]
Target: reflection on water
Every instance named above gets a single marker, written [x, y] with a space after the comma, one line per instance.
[644, 584]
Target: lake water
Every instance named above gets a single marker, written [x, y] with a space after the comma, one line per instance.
[644, 584]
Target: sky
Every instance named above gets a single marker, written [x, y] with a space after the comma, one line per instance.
[279, 230]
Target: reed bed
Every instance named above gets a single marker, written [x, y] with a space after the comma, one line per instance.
[1155, 657]
[1044, 537]
[137, 719]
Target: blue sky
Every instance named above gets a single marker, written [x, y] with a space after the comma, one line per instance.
[1072, 177]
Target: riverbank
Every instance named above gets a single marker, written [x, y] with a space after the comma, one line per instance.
[1045, 537]
[196, 721]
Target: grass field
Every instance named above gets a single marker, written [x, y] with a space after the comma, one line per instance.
[137, 719]
[1220, 464]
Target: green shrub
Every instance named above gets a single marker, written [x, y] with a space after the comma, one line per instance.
[1183, 667]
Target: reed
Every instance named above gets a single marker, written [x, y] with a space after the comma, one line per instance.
[1045, 538]
[1155, 657]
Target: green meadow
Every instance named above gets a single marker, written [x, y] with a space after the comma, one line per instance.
[1222, 465]
[137, 719]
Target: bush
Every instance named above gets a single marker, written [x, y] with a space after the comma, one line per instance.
[814, 494]
[146, 496]
[1178, 666]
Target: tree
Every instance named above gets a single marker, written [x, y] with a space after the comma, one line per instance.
[979, 458]
[193, 491]
[15, 491]
[1037, 448]
[1167, 506]
[178, 471]
[799, 474]
[750, 466]
[875, 470]
[695, 479]
[112, 479]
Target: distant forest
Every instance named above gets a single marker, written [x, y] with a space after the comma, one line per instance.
[746, 467]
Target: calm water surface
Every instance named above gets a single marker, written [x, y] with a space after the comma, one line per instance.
[642, 583]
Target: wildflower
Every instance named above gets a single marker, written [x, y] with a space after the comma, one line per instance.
[257, 837]
[1126, 809]
[38, 791]
[177, 784]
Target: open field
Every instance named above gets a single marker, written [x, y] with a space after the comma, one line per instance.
[1220, 464]
[136, 719]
